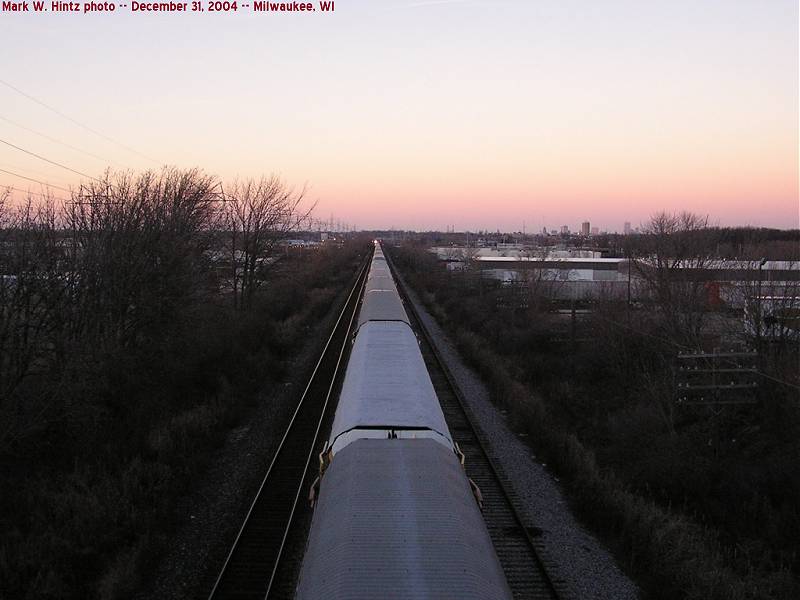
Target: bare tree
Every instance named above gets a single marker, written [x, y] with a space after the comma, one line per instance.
[670, 258]
[452, 253]
[5, 194]
[110, 268]
[257, 215]
[541, 284]
[114, 268]
[770, 320]
[136, 244]
[32, 296]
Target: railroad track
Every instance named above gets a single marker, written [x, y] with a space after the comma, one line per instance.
[263, 560]
[521, 555]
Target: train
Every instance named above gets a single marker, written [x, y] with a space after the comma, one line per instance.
[395, 515]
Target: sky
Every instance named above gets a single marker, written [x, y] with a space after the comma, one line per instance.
[415, 114]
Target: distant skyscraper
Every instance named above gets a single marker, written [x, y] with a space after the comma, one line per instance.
[595, 230]
[585, 228]
[565, 229]
[627, 228]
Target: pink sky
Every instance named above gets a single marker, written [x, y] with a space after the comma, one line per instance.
[427, 115]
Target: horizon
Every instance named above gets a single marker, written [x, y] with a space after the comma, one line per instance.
[428, 115]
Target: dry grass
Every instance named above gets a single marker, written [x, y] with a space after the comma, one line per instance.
[631, 498]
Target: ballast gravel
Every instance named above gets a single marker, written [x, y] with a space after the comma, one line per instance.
[585, 566]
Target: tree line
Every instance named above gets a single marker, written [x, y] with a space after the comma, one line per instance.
[701, 499]
[113, 265]
[140, 318]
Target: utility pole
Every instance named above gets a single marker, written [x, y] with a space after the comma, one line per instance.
[572, 328]
[759, 306]
[630, 258]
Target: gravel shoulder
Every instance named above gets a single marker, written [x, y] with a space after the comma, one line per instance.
[585, 566]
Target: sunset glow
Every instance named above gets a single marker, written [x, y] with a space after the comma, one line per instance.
[423, 115]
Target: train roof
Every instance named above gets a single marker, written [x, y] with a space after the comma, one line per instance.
[380, 282]
[386, 386]
[382, 305]
[397, 518]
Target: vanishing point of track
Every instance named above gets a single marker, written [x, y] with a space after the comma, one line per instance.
[527, 570]
[253, 568]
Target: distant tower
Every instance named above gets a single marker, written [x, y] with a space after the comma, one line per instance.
[585, 228]
[627, 228]
[565, 229]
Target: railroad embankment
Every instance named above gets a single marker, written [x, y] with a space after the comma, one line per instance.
[575, 558]
[158, 433]
[686, 517]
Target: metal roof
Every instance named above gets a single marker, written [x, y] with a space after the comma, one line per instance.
[387, 386]
[520, 259]
[382, 305]
[397, 519]
[380, 273]
[380, 282]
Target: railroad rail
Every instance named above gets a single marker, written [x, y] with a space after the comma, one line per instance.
[253, 568]
[530, 574]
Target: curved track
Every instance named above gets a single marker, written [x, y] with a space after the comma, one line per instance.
[522, 557]
[253, 566]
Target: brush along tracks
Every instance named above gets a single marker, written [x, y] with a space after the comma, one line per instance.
[521, 555]
[256, 564]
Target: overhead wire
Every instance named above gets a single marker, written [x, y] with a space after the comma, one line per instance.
[16, 189]
[44, 183]
[50, 177]
[57, 141]
[52, 162]
[78, 123]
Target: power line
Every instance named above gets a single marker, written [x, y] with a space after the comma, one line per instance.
[36, 181]
[78, 123]
[20, 190]
[57, 141]
[35, 172]
[52, 162]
